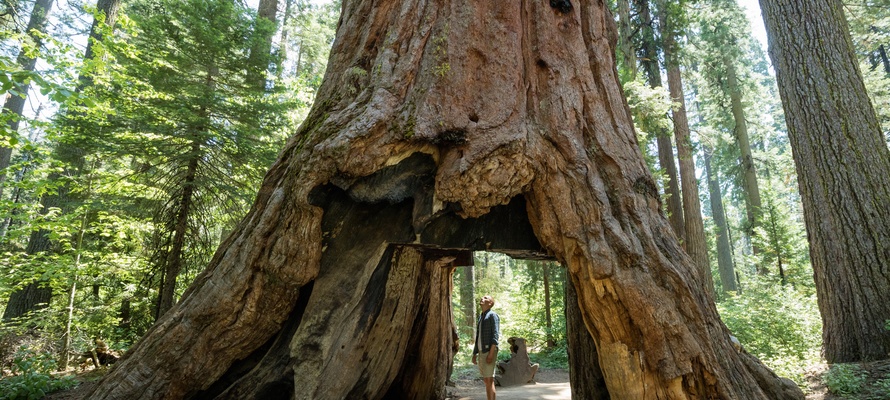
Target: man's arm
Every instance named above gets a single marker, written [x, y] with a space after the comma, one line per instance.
[495, 335]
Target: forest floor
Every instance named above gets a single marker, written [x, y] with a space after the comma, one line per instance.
[553, 384]
[871, 378]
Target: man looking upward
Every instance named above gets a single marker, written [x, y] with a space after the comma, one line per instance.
[487, 333]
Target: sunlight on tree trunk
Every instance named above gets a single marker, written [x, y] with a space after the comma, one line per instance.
[446, 126]
[843, 168]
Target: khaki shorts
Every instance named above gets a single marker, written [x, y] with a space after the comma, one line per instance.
[487, 370]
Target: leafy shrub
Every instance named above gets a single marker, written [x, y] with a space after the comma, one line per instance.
[32, 377]
[778, 324]
[555, 358]
[882, 387]
[845, 379]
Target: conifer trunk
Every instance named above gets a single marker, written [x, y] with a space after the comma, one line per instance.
[650, 64]
[694, 227]
[475, 125]
[468, 299]
[724, 251]
[172, 260]
[625, 39]
[261, 48]
[15, 104]
[843, 168]
[749, 173]
[548, 319]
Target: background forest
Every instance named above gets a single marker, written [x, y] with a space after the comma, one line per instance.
[135, 134]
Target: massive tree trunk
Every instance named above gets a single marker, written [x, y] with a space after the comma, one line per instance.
[36, 294]
[475, 125]
[694, 227]
[843, 168]
[724, 251]
[585, 375]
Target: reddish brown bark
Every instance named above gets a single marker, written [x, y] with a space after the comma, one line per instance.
[474, 125]
[672, 196]
[694, 227]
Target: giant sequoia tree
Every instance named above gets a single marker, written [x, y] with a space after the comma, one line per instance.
[441, 127]
[843, 168]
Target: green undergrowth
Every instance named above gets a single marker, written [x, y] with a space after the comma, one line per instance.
[31, 377]
[780, 325]
[858, 381]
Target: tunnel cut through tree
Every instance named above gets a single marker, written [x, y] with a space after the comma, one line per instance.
[446, 126]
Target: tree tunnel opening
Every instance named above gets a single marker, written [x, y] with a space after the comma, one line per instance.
[377, 320]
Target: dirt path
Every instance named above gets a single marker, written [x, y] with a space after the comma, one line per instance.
[540, 391]
[552, 385]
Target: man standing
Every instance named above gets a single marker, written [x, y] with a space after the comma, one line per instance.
[487, 333]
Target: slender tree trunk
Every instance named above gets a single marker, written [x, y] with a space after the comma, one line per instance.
[843, 168]
[547, 317]
[522, 145]
[285, 33]
[173, 258]
[885, 61]
[66, 344]
[19, 176]
[775, 241]
[696, 246]
[724, 251]
[749, 173]
[36, 293]
[15, 104]
[625, 39]
[299, 61]
[673, 199]
[468, 299]
[261, 49]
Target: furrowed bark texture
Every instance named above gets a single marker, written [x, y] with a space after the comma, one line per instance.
[443, 126]
[585, 374]
[696, 246]
[673, 199]
[843, 168]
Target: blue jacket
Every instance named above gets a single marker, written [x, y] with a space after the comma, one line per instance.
[488, 326]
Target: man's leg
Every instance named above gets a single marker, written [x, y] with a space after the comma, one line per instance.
[489, 388]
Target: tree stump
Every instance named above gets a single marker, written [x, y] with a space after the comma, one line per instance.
[518, 370]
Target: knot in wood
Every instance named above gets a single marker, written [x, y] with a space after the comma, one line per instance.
[451, 137]
[563, 6]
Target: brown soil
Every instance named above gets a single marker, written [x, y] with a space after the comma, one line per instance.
[551, 384]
